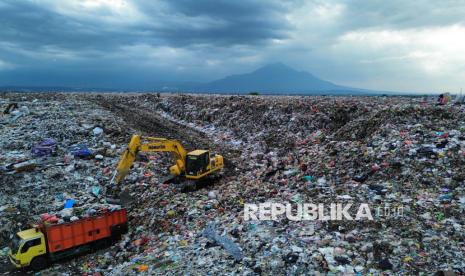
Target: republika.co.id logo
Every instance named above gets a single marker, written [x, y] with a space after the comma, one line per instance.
[321, 212]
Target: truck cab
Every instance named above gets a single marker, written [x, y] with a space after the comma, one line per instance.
[26, 246]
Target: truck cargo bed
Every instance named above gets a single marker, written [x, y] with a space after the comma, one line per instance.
[68, 235]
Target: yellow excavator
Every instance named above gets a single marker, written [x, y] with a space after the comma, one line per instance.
[193, 166]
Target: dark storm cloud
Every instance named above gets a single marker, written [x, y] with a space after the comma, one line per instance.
[131, 43]
[32, 24]
[232, 22]
[73, 44]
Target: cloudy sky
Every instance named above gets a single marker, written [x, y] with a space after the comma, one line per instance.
[394, 45]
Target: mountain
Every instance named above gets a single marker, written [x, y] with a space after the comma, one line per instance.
[276, 78]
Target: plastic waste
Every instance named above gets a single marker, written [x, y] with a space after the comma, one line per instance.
[69, 203]
[47, 147]
[225, 242]
[81, 151]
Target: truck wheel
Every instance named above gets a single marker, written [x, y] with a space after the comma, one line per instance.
[38, 263]
[101, 244]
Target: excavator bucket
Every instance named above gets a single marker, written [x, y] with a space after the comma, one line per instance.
[125, 198]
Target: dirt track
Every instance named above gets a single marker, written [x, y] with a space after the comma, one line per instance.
[145, 119]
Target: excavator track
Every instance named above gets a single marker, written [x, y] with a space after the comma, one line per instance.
[186, 185]
[205, 183]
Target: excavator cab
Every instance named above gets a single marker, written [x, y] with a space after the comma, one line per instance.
[197, 162]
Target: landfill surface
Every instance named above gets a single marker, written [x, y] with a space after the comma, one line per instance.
[405, 153]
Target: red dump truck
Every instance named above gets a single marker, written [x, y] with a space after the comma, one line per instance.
[45, 243]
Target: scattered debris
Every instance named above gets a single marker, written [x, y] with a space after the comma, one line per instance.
[47, 147]
[388, 152]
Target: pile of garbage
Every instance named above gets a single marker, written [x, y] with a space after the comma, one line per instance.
[403, 157]
[50, 154]
[70, 213]
[396, 154]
